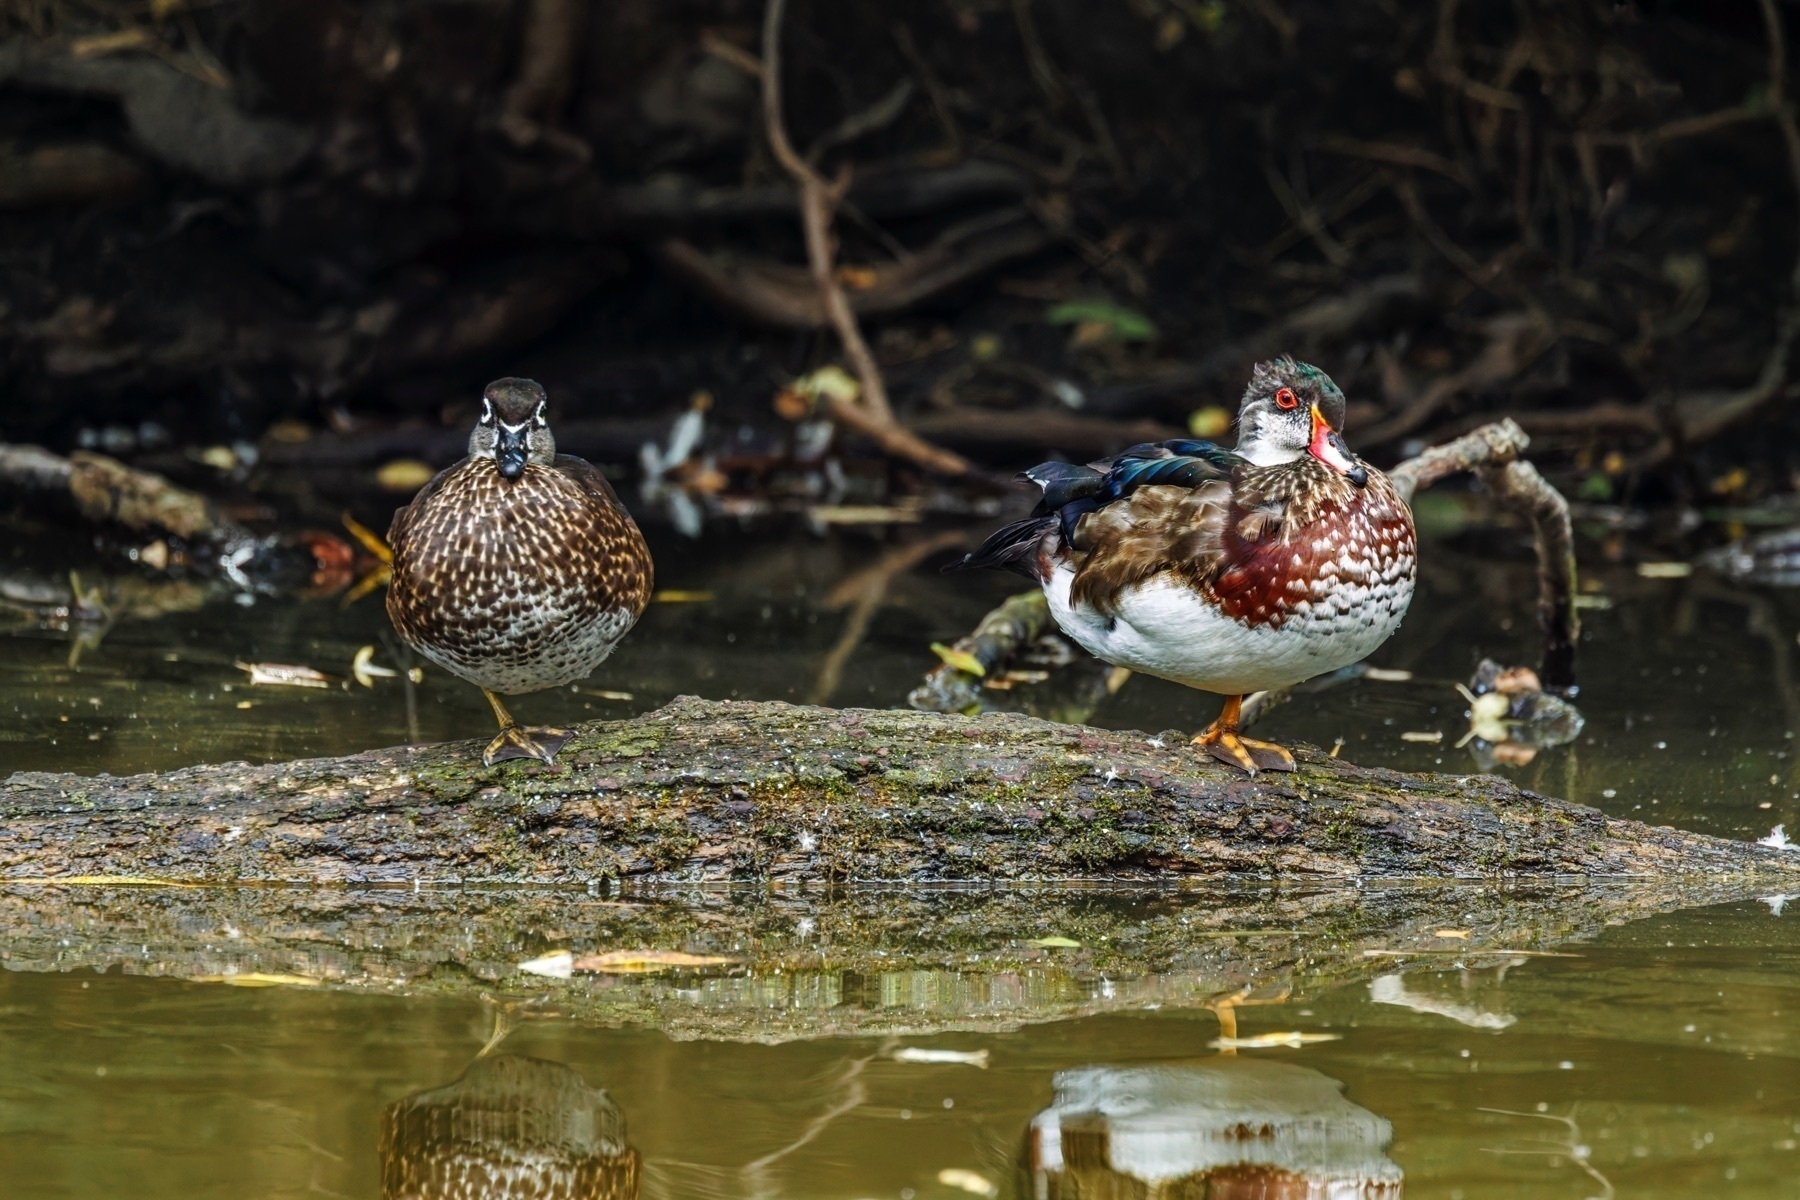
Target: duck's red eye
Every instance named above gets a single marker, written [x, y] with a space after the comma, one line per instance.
[1285, 398]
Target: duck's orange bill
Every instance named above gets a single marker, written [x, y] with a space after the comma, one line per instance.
[1328, 445]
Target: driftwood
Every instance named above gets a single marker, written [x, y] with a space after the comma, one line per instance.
[719, 791]
[1492, 454]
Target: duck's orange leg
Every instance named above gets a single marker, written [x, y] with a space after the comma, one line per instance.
[1222, 741]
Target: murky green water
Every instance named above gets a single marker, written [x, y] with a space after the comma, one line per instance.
[1665, 1056]
[1662, 1060]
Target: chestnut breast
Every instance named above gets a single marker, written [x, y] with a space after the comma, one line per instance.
[1333, 555]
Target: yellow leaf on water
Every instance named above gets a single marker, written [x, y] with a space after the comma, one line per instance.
[678, 596]
[1055, 943]
[1451, 933]
[257, 979]
[631, 962]
[959, 660]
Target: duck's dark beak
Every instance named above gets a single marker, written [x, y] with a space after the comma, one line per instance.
[1328, 447]
[510, 452]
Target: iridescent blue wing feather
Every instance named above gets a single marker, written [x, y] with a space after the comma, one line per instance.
[1071, 491]
[1182, 462]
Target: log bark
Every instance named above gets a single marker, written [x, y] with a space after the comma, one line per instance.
[714, 791]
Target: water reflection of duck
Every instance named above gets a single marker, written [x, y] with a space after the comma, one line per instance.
[1224, 1129]
[511, 1128]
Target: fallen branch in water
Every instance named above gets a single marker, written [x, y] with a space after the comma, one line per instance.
[1492, 454]
[717, 791]
[106, 492]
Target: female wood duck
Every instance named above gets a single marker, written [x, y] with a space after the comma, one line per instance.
[517, 569]
[1230, 571]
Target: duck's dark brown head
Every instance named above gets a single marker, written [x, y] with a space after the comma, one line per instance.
[513, 429]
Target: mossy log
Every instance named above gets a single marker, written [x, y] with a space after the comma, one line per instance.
[710, 791]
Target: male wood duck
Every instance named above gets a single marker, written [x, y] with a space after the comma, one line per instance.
[517, 569]
[1230, 571]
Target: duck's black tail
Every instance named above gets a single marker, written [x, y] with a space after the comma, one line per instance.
[1018, 547]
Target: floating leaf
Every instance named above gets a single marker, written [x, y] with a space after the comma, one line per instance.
[636, 962]
[968, 1181]
[257, 979]
[923, 1054]
[959, 660]
[1055, 943]
[678, 596]
[285, 675]
[1292, 1039]
[1451, 933]
[603, 693]
[1120, 324]
[558, 964]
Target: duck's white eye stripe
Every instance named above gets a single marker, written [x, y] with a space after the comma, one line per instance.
[538, 416]
[487, 411]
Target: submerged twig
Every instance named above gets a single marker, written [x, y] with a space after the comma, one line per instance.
[952, 686]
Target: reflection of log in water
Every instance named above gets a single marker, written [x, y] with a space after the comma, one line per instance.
[1225, 1129]
[510, 1128]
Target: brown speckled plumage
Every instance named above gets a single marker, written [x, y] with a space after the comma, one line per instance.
[517, 584]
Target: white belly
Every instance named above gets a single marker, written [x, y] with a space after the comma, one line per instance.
[1164, 629]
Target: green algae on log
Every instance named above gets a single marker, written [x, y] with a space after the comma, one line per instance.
[720, 791]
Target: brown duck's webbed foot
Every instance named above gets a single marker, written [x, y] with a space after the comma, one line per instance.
[1221, 741]
[518, 741]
